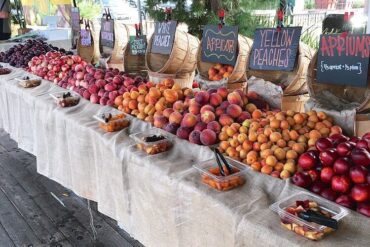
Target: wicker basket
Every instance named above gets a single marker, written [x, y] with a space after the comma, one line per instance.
[348, 93]
[86, 52]
[184, 79]
[238, 74]
[182, 59]
[295, 81]
[122, 37]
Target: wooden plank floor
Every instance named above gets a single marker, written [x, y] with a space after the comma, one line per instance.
[30, 215]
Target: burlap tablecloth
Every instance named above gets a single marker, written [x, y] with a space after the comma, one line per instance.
[159, 200]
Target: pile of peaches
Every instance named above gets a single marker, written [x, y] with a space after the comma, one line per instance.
[219, 71]
[271, 142]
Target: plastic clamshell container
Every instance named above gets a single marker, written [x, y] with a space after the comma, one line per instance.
[222, 183]
[116, 123]
[58, 97]
[334, 209]
[29, 83]
[152, 148]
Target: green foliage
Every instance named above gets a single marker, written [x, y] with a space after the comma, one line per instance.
[309, 4]
[203, 12]
[358, 3]
[89, 9]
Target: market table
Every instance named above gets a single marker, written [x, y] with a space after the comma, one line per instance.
[159, 200]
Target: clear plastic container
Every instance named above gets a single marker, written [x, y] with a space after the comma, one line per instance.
[154, 147]
[28, 82]
[112, 122]
[302, 227]
[61, 101]
[209, 171]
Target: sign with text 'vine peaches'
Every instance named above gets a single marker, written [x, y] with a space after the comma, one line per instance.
[219, 45]
[163, 37]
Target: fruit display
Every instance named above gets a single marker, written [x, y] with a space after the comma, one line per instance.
[65, 99]
[338, 170]
[111, 123]
[4, 71]
[98, 85]
[212, 177]
[270, 142]
[19, 55]
[201, 118]
[152, 142]
[219, 71]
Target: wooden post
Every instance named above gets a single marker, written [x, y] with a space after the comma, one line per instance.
[139, 12]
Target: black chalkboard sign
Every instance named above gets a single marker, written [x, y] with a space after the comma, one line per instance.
[85, 38]
[219, 45]
[343, 60]
[138, 45]
[163, 37]
[275, 49]
[107, 33]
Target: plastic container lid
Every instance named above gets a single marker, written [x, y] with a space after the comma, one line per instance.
[59, 95]
[337, 211]
[139, 137]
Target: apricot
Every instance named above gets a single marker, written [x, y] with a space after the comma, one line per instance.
[261, 138]
[234, 143]
[252, 136]
[251, 157]
[314, 134]
[291, 143]
[280, 116]
[322, 115]
[284, 124]
[313, 118]
[280, 154]
[284, 174]
[299, 148]
[254, 126]
[290, 113]
[324, 132]
[291, 154]
[242, 137]
[247, 145]
[327, 123]
[225, 120]
[275, 136]
[302, 139]
[271, 160]
[223, 136]
[281, 143]
[298, 118]
[256, 166]
[265, 146]
[256, 114]
[175, 117]
[275, 124]
[132, 104]
[265, 153]
[290, 167]
[312, 142]
[279, 167]
[267, 169]
[243, 129]
[310, 124]
[293, 134]
[251, 107]
[257, 146]
[335, 130]
[290, 120]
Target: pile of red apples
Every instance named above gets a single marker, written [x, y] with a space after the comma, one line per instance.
[338, 170]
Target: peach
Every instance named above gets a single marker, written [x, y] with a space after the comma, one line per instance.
[243, 116]
[189, 120]
[290, 167]
[179, 106]
[275, 136]
[252, 157]
[200, 126]
[298, 118]
[267, 169]
[141, 115]
[160, 106]
[132, 104]
[281, 143]
[194, 108]
[149, 119]
[291, 154]
[167, 112]
[322, 115]
[284, 174]
[223, 92]
[168, 82]
[215, 126]
[225, 120]
[194, 137]
[202, 97]
[223, 136]
[154, 92]
[208, 137]
[215, 99]
[256, 166]
[183, 133]
[234, 110]
[257, 114]
[170, 95]
[207, 117]
[279, 167]
[234, 98]
[250, 107]
[275, 123]
[219, 111]
[207, 108]
[335, 130]
[149, 110]
[171, 127]
[175, 117]
[280, 153]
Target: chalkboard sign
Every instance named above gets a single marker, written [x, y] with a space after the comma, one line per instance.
[75, 24]
[219, 45]
[85, 38]
[138, 45]
[344, 60]
[163, 37]
[275, 50]
[107, 33]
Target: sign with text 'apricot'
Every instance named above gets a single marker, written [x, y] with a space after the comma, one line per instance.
[163, 37]
[344, 59]
[275, 49]
[219, 45]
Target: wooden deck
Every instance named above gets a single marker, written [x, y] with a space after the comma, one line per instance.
[30, 214]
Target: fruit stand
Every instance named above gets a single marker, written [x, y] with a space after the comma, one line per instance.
[177, 166]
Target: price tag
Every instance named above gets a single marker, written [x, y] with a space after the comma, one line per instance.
[275, 50]
[163, 37]
[138, 45]
[86, 38]
[219, 45]
[344, 60]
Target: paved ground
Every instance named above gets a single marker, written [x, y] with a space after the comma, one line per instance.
[35, 211]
